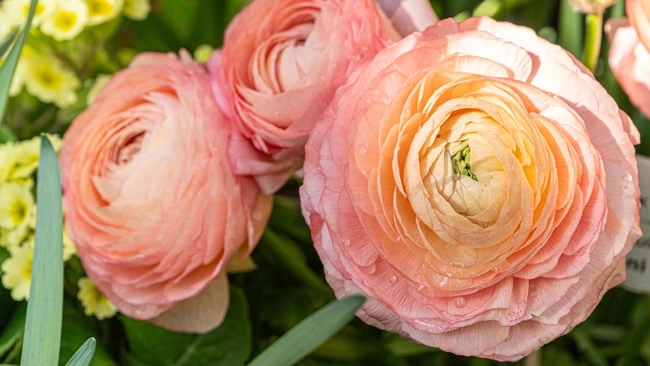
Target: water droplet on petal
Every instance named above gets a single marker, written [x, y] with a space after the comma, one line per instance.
[458, 264]
[444, 280]
[460, 302]
[346, 242]
[421, 287]
[399, 238]
[628, 178]
[392, 279]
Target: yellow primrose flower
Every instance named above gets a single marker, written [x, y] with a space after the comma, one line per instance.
[16, 202]
[137, 9]
[67, 21]
[8, 161]
[17, 269]
[26, 155]
[69, 248]
[17, 11]
[94, 302]
[50, 81]
[100, 11]
[100, 82]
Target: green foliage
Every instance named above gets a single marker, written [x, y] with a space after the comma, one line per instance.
[43, 324]
[228, 345]
[84, 355]
[309, 334]
[9, 66]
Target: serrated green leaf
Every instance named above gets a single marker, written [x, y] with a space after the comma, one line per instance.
[14, 329]
[9, 66]
[310, 333]
[228, 345]
[43, 324]
[84, 355]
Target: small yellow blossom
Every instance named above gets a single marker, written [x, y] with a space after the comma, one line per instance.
[203, 52]
[16, 202]
[67, 21]
[93, 301]
[17, 271]
[100, 82]
[8, 161]
[137, 9]
[17, 10]
[100, 11]
[69, 248]
[50, 81]
[27, 153]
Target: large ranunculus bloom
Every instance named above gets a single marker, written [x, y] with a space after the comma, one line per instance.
[478, 185]
[629, 55]
[281, 63]
[151, 201]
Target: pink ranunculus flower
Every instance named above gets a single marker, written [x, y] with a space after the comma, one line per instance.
[629, 55]
[281, 63]
[152, 203]
[478, 185]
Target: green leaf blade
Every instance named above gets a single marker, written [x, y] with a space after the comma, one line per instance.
[230, 344]
[84, 355]
[310, 333]
[43, 323]
[9, 66]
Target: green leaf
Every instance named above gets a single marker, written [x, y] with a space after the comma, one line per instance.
[586, 345]
[9, 66]
[228, 345]
[5, 44]
[286, 253]
[77, 328]
[310, 333]
[12, 332]
[84, 355]
[43, 324]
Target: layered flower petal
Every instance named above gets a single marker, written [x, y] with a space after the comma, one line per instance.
[281, 64]
[151, 200]
[482, 205]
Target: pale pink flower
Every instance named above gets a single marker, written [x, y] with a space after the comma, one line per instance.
[283, 60]
[478, 185]
[151, 201]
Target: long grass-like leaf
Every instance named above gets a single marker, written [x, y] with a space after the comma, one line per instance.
[310, 333]
[45, 306]
[9, 66]
[6, 43]
[84, 354]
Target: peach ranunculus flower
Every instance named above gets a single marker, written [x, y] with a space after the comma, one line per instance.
[151, 201]
[478, 185]
[629, 55]
[281, 63]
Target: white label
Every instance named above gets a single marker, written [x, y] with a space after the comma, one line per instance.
[638, 261]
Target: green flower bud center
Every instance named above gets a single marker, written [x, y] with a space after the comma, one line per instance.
[460, 162]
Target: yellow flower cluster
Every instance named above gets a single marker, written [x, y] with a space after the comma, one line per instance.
[18, 163]
[66, 19]
[45, 77]
[93, 301]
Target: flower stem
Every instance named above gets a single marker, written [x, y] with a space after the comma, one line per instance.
[534, 359]
[593, 40]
